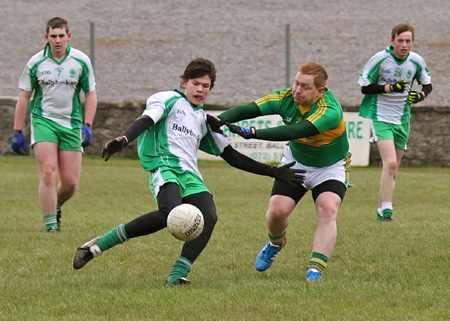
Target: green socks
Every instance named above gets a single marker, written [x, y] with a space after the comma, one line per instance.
[277, 240]
[116, 236]
[50, 221]
[180, 269]
[318, 261]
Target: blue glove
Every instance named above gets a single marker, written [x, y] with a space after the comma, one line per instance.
[86, 135]
[18, 142]
[242, 131]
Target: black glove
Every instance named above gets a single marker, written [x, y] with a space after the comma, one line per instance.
[215, 123]
[114, 146]
[414, 97]
[398, 87]
[241, 131]
[288, 175]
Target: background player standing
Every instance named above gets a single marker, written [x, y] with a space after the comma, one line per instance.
[56, 75]
[387, 81]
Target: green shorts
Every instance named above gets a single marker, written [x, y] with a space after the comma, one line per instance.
[398, 133]
[189, 182]
[45, 130]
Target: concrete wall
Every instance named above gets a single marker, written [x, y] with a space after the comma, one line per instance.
[429, 142]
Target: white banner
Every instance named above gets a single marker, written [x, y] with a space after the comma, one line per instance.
[358, 133]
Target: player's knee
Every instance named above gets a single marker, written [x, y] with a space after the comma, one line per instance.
[210, 217]
[69, 185]
[391, 167]
[277, 213]
[48, 175]
[327, 213]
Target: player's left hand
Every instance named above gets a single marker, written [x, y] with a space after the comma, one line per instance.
[241, 131]
[414, 97]
[215, 123]
[289, 175]
[86, 136]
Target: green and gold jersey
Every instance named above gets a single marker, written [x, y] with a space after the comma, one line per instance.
[323, 149]
[57, 85]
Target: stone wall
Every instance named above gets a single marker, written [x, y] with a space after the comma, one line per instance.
[429, 142]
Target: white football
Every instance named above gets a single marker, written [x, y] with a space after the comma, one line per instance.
[185, 222]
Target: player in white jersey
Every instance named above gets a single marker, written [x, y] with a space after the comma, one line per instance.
[55, 76]
[387, 82]
[171, 130]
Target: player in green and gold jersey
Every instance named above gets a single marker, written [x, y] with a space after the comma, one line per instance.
[315, 129]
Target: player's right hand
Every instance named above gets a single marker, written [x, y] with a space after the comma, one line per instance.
[19, 143]
[114, 146]
[398, 87]
[289, 175]
[244, 132]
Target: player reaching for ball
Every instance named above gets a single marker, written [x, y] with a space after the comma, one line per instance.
[315, 129]
[170, 132]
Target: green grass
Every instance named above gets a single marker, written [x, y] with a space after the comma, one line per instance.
[377, 271]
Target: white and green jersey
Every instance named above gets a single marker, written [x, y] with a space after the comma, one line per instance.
[57, 85]
[180, 130]
[384, 69]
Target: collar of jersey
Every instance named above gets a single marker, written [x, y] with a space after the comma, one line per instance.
[184, 96]
[306, 109]
[48, 53]
[390, 49]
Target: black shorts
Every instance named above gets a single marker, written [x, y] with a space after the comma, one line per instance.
[281, 188]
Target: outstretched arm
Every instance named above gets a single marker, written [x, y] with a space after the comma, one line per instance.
[301, 129]
[283, 173]
[133, 131]
[240, 112]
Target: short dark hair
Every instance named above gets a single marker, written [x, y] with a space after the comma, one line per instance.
[401, 28]
[57, 22]
[199, 67]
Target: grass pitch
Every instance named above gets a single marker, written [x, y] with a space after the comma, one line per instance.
[377, 271]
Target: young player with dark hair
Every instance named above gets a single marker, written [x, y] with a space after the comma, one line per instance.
[170, 132]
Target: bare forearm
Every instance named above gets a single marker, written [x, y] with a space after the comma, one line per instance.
[21, 109]
[90, 107]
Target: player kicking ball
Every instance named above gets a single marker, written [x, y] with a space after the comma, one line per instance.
[170, 132]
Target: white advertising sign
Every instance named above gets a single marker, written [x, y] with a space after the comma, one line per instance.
[358, 133]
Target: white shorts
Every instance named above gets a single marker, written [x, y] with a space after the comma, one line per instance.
[317, 175]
